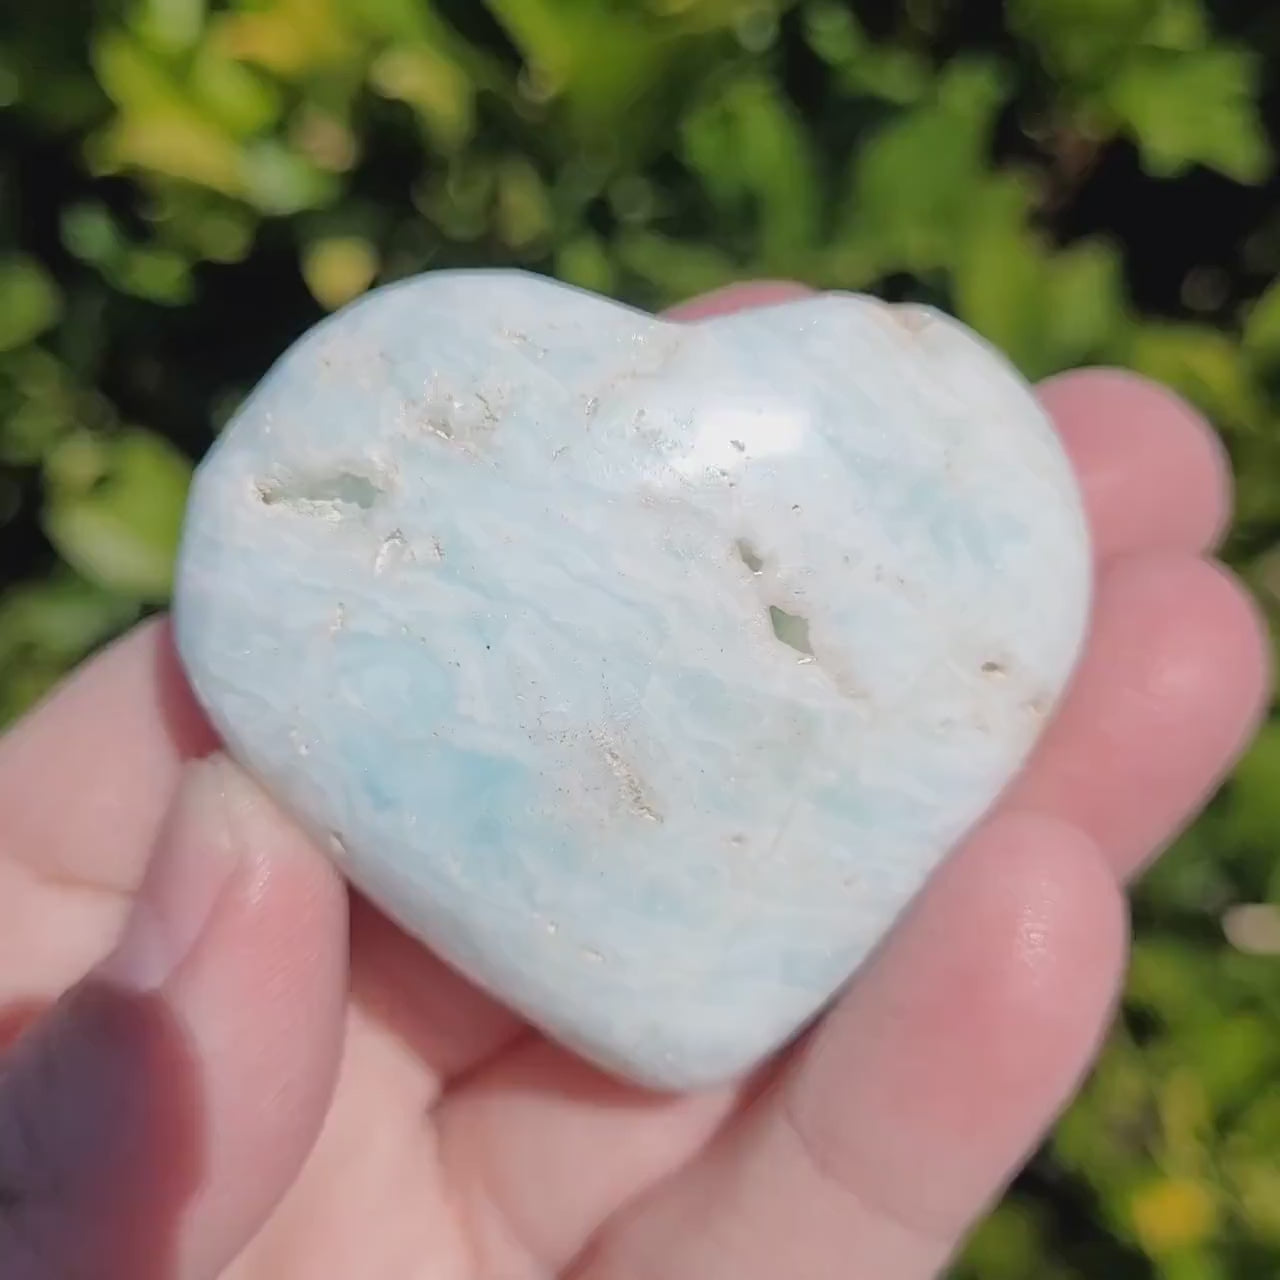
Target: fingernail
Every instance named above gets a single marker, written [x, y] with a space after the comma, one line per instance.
[196, 852]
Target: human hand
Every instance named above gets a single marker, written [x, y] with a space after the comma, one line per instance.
[263, 1080]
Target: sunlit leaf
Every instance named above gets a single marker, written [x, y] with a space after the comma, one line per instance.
[434, 85]
[1000, 274]
[1254, 814]
[29, 301]
[522, 214]
[1193, 108]
[288, 37]
[673, 270]
[1262, 328]
[1085, 302]
[585, 262]
[117, 523]
[45, 626]
[750, 151]
[887, 71]
[132, 76]
[1009, 1245]
[1169, 1214]
[154, 272]
[1257, 1184]
[91, 233]
[175, 143]
[280, 181]
[913, 181]
[339, 268]
[1205, 364]
[1080, 40]
[169, 25]
[243, 101]
[1048, 309]
[39, 404]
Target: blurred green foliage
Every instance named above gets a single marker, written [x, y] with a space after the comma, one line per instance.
[187, 185]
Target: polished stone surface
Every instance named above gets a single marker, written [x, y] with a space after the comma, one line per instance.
[644, 671]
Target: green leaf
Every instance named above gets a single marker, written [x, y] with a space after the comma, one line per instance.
[62, 616]
[92, 234]
[1193, 108]
[834, 32]
[1047, 310]
[39, 404]
[204, 224]
[675, 270]
[1080, 40]
[1262, 329]
[434, 85]
[339, 268]
[114, 510]
[914, 181]
[282, 182]
[1236, 1064]
[1085, 302]
[1172, 1214]
[243, 101]
[1009, 1245]
[757, 165]
[46, 626]
[522, 210]
[155, 273]
[584, 261]
[547, 33]
[169, 26]
[609, 72]
[131, 76]
[29, 301]
[1203, 364]
[1177, 24]
[1253, 816]
[889, 71]
[999, 274]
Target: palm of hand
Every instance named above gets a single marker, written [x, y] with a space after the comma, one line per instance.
[455, 1143]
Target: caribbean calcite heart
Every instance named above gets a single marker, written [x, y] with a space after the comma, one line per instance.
[643, 670]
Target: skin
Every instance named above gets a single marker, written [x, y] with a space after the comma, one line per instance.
[261, 1079]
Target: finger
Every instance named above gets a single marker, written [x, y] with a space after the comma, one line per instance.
[541, 1149]
[919, 1096]
[150, 1121]
[738, 297]
[120, 728]
[1153, 473]
[1168, 694]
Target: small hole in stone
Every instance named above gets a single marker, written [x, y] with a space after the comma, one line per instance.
[791, 629]
[748, 555]
[393, 551]
[321, 494]
[994, 668]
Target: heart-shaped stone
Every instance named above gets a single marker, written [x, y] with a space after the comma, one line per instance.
[643, 670]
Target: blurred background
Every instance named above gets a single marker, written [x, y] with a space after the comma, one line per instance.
[186, 186]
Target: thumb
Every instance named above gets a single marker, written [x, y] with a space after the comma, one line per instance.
[152, 1119]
